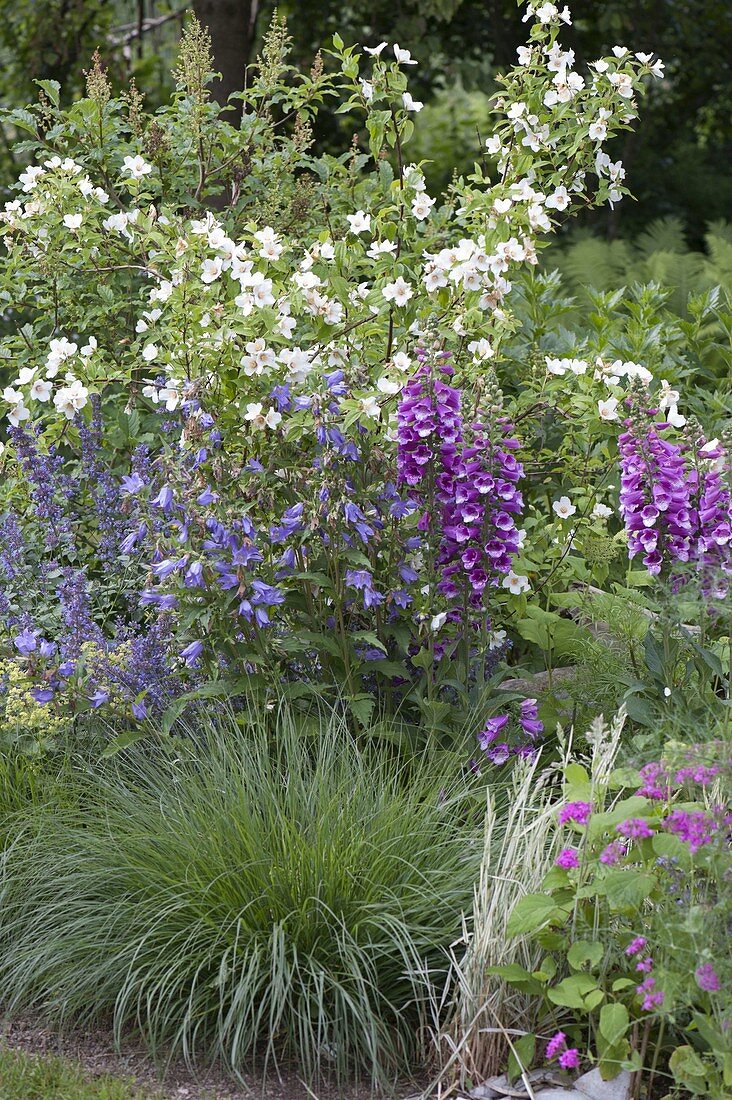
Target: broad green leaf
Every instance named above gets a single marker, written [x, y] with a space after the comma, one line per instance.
[573, 992]
[627, 889]
[516, 975]
[521, 1055]
[614, 1022]
[583, 951]
[532, 912]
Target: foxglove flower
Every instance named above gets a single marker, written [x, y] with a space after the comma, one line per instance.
[655, 493]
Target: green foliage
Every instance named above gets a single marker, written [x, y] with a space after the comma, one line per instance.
[660, 254]
[260, 892]
[45, 1077]
[450, 134]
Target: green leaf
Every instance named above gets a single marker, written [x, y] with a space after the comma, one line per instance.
[583, 951]
[611, 1058]
[627, 889]
[124, 740]
[516, 975]
[577, 785]
[573, 992]
[627, 807]
[667, 846]
[655, 657]
[614, 1022]
[521, 1055]
[370, 637]
[712, 1035]
[689, 1070]
[639, 578]
[423, 659]
[639, 710]
[310, 639]
[361, 707]
[531, 913]
[52, 88]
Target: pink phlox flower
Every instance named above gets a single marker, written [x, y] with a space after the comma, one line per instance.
[635, 827]
[568, 858]
[570, 1059]
[698, 773]
[613, 852]
[578, 812]
[695, 827]
[655, 781]
[636, 946]
[652, 997]
[707, 978]
[555, 1044]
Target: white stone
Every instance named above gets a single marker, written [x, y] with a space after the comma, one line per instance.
[557, 1094]
[592, 1085]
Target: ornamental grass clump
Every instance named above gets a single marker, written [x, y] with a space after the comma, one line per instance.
[266, 897]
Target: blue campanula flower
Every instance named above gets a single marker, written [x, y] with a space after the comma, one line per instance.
[191, 653]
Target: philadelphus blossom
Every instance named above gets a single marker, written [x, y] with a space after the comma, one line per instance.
[360, 222]
[558, 200]
[516, 583]
[41, 390]
[136, 167]
[71, 399]
[211, 269]
[564, 508]
[260, 420]
[381, 248]
[73, 221]
[561, 366]
[411, 104]
[399, 292]
[608, 409]
[422, 205]
[270, 246]
[61, 349]
[403, 57]
[30, 177]
[370, 407]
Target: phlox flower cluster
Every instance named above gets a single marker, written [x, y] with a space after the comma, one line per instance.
[576, 813]
[568, 1057]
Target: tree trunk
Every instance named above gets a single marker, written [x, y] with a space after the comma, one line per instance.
[231, 24]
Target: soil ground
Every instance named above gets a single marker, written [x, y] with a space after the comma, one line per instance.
[95, 1052]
